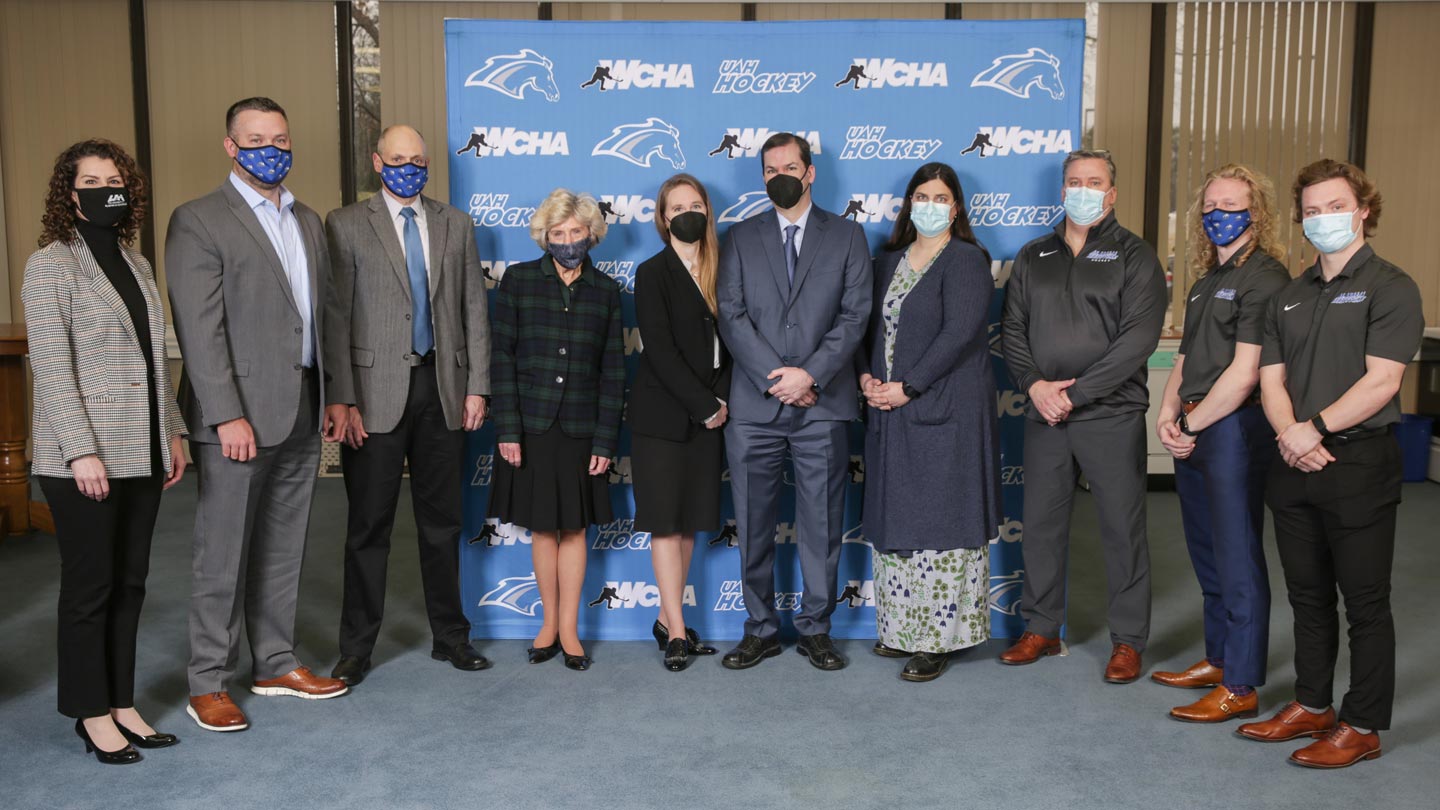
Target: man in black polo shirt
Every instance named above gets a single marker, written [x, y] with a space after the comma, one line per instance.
[1336, 343]
[1083, 311]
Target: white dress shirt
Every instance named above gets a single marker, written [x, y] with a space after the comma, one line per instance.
[800, 234]
[396, 207]
[283, 229]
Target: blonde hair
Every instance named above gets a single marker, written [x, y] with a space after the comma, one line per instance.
[1264, 223]
[707, 259]
[560, 205]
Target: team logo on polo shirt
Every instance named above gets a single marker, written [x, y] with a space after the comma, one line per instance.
[1227, 294]
[624, 209]
[1350, 298]
[870, 143]
[1103, 255]
[640, 143]
[863, 73]
[740, 142]
[857, 593]
[518, 594]
[1017, 73]
[615, 594]
[993, 209]
[515, 73]
[745, 76]
[623, 74]
[495, 211]
[1003, 141]
[732, 598]
[749, 204]
[1005, 591]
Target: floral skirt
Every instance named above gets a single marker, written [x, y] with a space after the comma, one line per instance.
[933, 601]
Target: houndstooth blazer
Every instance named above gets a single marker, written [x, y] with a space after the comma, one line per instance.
[90, 396]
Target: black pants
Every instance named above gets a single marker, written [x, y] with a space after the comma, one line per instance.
[1336, 528]
[104, 559]
[372, 485]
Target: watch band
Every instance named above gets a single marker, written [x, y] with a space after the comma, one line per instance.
[1185, 426]
[1319, 424]
[908, 390]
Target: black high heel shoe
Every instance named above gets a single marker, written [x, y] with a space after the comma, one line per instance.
[539, 655]
[156, 740]
[692, 640]
[125, 756]
[677, 655]
[579, 663]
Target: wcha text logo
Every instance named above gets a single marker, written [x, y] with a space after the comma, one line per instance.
[623, 74]
[870, 143]
[1003, 141]
[744, 76]
[738, 142]
[857, 593]
[1011, 531]
[1011, 403]
[876, 73]
[1016, 73]
[507, 141]
[513, 74]
[495, 211]
[617, 595]
[640, 143]
[623, 209]
[494, 533]
[871, 208]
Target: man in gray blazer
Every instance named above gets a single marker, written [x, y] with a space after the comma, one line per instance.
[411, 309]
[249, 277]
[795, 292]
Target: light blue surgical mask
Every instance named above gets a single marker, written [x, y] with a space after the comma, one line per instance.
[930, 218]
[1084, 206]
[1331, 233]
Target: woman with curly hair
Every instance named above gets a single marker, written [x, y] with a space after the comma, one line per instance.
[107, 432]
[1213, 395]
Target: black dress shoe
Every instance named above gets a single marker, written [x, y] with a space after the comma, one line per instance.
[539, 655]
[460, 656]
[677, 655]
[125, 756]
[351, 669]
[750, 651]
[156, 740]
[889, 652]
[579, 663]
[924, 666]
[692, 640]
[821, 652]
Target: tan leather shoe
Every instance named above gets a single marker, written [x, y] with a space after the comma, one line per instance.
[1290, 723]
[1340, 748]
[1219, 705]
[302, 683]
[1198, 676]
[1029, 649]
[1124, 665]
[217, 712]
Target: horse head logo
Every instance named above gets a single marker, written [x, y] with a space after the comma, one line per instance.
[749, 204]
[1005, 592]
[520, 594]
[512, 73]
[638, 143]
[1016, 73]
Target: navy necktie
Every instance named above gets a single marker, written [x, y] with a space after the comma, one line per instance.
[790, 255]
[422, 338]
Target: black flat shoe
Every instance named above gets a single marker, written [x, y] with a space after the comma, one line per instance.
[579, 663]
[351, 669]
[692, 640]
[156, 740]
[677, 655]
[460, 656]
[821, 652]
[924, 666]
[125, 756]
[750, 651]
[889, 652]
[539, 655]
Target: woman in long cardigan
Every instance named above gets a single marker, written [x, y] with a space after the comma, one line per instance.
[932, 491]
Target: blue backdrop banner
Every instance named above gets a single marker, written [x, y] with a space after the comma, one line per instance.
[614, 109]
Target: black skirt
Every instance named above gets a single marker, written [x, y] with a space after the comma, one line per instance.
[552, 489]
[677, 484]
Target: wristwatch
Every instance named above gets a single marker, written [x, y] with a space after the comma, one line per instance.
[1319, 424]
[908, 391]
[1185, 426]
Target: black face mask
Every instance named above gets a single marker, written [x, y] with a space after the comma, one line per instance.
[104, 206]
[785, 190]
[688, 227]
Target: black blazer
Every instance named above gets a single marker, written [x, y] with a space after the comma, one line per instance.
[677, 386]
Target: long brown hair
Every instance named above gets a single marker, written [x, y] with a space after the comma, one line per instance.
[58, 224]
[1264, 219]
[904, 231]
[707, 259]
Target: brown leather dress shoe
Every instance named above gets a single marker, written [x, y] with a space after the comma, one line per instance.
[1124, 665]
[217, 712]
[1198, 676]
[1340, 748]
[1029, 649]
[1219, 705]
[302, 683]
[1290, 723]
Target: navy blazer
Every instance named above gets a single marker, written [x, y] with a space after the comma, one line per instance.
[816, 324]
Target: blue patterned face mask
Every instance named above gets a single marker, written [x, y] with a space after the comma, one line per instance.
[1224, 227]
[570, 255]
[405, 180]
[268, 164]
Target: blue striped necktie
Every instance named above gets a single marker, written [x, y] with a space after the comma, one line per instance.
[422, 336]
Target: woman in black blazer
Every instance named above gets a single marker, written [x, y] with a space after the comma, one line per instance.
[677, 403]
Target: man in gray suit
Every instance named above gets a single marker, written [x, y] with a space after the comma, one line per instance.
[795, 290]
[249, 276]
[410, 307]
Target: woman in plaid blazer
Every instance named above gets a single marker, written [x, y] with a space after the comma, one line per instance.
[107, 432]
[557, 379]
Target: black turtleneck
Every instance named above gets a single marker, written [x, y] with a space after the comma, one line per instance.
[104, 244]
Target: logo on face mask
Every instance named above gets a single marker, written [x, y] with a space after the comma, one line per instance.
[513, 74]
[1003, 141]
[744, 76]
[622, 74]
[865, 73]
[268, 164]
[1017, 73]
[405, 180]
[495, 211]
[623, 209]
[746, 141]
[993, 210]
[640, 143]
[750, 204]
[870, 143]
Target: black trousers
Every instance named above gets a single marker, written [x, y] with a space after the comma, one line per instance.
[372, 485]
[104, 560]
[1336, 528]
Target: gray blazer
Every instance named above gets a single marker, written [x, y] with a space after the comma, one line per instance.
[373, 306]
[816, 324]
[90, 396]
[235, 316]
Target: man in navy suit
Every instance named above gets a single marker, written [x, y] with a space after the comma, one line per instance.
[795, 291]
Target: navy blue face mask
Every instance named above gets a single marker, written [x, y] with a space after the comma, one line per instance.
[570, 255]
[1224, 227]
[268, 164]
[405, 180]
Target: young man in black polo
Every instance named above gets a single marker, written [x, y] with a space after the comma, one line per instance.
[1336, 343]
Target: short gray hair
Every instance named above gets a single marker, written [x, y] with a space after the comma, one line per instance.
[560, 206]
[1090, 154]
